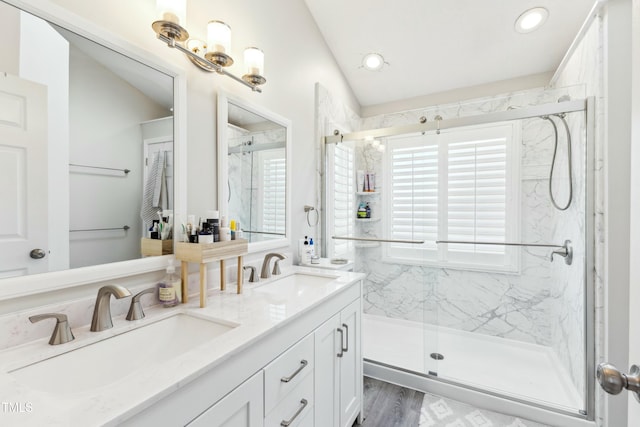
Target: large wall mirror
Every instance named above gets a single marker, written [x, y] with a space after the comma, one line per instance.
[86, 149]
[254, 163]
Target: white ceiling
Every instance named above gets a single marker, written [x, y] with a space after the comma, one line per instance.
[434, 46]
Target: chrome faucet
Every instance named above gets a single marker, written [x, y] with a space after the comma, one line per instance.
[61, 333]
[264, 272]
[102, 311]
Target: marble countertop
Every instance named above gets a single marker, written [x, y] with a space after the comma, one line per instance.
[253, 311]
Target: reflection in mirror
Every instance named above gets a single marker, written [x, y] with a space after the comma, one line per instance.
[81, 128]
[256, 174]
[254, 171]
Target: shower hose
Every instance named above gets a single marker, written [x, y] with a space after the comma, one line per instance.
[553, 161]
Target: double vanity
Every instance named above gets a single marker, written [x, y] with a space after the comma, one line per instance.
[286, 352]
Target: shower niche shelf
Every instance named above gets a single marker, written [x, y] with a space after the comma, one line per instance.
[363, 220]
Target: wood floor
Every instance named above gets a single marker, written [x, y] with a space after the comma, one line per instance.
[388, 405]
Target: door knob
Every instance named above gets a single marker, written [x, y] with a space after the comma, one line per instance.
[37, 254]
[613, 381]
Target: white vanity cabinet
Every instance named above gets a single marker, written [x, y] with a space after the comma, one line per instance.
[305, 372]
[243, 407]
[338, 370]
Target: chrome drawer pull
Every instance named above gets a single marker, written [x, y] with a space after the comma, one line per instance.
[303, 363]
[346, 329]
[341, 341]
[286, 423]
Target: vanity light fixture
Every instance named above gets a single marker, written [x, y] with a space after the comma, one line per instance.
[531, 19]
[373, 61]
[212, 55]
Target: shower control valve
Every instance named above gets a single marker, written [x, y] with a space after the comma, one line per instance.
[565, 251]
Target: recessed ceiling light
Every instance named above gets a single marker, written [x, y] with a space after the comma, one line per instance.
[531, 20]
[373, 61]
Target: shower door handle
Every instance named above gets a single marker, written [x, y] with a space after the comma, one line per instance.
[613, 381]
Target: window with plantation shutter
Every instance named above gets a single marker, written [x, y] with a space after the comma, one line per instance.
[343, 198]
[274, 183]
[413, 206]
[458, 185]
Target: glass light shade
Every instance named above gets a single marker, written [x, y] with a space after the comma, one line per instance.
[254, 61]
[218, 37]
[173, 11]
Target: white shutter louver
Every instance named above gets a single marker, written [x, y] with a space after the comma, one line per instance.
[274, 183]
[414, 193]
[476, 202]
[343, 199]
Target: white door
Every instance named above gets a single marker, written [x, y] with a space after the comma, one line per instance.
[23, 177]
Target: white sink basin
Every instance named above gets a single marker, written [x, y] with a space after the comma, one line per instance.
[112, 359]
[295, 285]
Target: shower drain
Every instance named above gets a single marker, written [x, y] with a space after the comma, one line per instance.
[437, 356]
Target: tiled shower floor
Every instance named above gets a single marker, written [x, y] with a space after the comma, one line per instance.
[526, 371]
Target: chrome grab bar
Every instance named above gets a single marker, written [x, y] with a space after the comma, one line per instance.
[303, 363]
[565, 251]
[375, 239]
[126, 171]
[124, 227]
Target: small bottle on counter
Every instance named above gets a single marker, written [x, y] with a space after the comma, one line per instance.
[205, 235]
[232, 228]
[169, 288]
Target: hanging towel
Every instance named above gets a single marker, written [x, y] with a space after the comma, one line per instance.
[155, 196]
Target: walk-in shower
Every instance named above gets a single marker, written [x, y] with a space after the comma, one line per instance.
[477, 251]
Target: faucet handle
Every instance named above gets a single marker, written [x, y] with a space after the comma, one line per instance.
[61, 333]
[252, 276]
[135, 309]
[276, 267]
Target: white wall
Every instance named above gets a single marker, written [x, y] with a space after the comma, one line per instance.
[96, 93]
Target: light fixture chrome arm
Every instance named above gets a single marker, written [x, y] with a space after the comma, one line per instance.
[204, 63]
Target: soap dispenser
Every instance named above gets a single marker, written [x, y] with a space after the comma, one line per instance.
[169, 288]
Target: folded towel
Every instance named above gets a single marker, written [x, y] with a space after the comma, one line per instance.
[155, 195]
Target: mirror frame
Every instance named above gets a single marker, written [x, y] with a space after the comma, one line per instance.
[223, 165]
[15, 287]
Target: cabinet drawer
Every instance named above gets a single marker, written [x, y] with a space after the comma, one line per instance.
[296, 407]
[287, 371]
